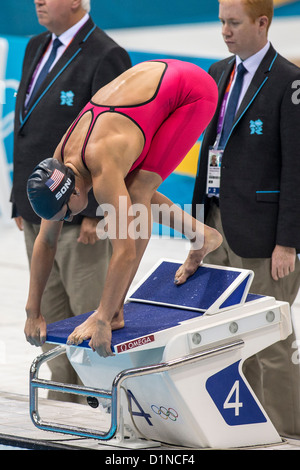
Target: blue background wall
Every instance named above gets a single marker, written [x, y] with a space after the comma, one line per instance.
[18, 16]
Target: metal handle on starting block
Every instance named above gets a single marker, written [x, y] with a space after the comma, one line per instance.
[114, 394]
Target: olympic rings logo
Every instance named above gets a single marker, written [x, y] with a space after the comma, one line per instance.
[165, 413]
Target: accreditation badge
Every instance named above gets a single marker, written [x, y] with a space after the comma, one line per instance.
[214, 172]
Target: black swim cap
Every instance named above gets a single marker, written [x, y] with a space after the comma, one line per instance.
[49, 187]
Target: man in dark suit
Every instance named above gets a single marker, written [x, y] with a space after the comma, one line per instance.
[253, 199]
[85, 60]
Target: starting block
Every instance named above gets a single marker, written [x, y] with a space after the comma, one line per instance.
[176, 376]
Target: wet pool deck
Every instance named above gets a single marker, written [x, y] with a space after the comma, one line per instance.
[16, 428]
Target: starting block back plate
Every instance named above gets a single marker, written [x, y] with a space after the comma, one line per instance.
[210, 289]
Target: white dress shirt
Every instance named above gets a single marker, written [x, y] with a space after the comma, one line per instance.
[251, 65]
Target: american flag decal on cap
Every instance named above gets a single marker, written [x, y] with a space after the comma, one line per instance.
[55, 179]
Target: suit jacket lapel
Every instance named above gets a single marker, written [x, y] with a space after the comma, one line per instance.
[30, 71]
[259, 79]
[70, 53]
[222, 82]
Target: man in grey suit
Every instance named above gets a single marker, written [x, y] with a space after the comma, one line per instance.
[253, 196]
[84, 60]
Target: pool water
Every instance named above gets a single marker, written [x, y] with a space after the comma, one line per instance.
[4, 447]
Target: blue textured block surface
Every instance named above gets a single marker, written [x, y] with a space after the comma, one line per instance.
[199, 292]
[140, 320]
[149, 314]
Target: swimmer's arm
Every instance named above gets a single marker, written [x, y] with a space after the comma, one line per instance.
[110, 189]
[41, 264]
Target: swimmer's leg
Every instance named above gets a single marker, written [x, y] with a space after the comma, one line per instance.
[157, 207]
[203, 238]
[141, 186]
[172, 141]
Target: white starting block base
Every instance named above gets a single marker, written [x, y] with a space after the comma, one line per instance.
[178, 378]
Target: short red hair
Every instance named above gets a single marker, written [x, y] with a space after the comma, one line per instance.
[257, 8]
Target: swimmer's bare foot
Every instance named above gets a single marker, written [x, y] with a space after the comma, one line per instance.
[84, 331]
[212, 240]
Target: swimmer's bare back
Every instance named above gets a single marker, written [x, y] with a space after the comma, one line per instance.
[135, 86]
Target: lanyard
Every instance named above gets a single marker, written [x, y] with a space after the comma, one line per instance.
[223, 109]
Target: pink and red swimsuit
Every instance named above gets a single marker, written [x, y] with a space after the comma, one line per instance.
[171, 121]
